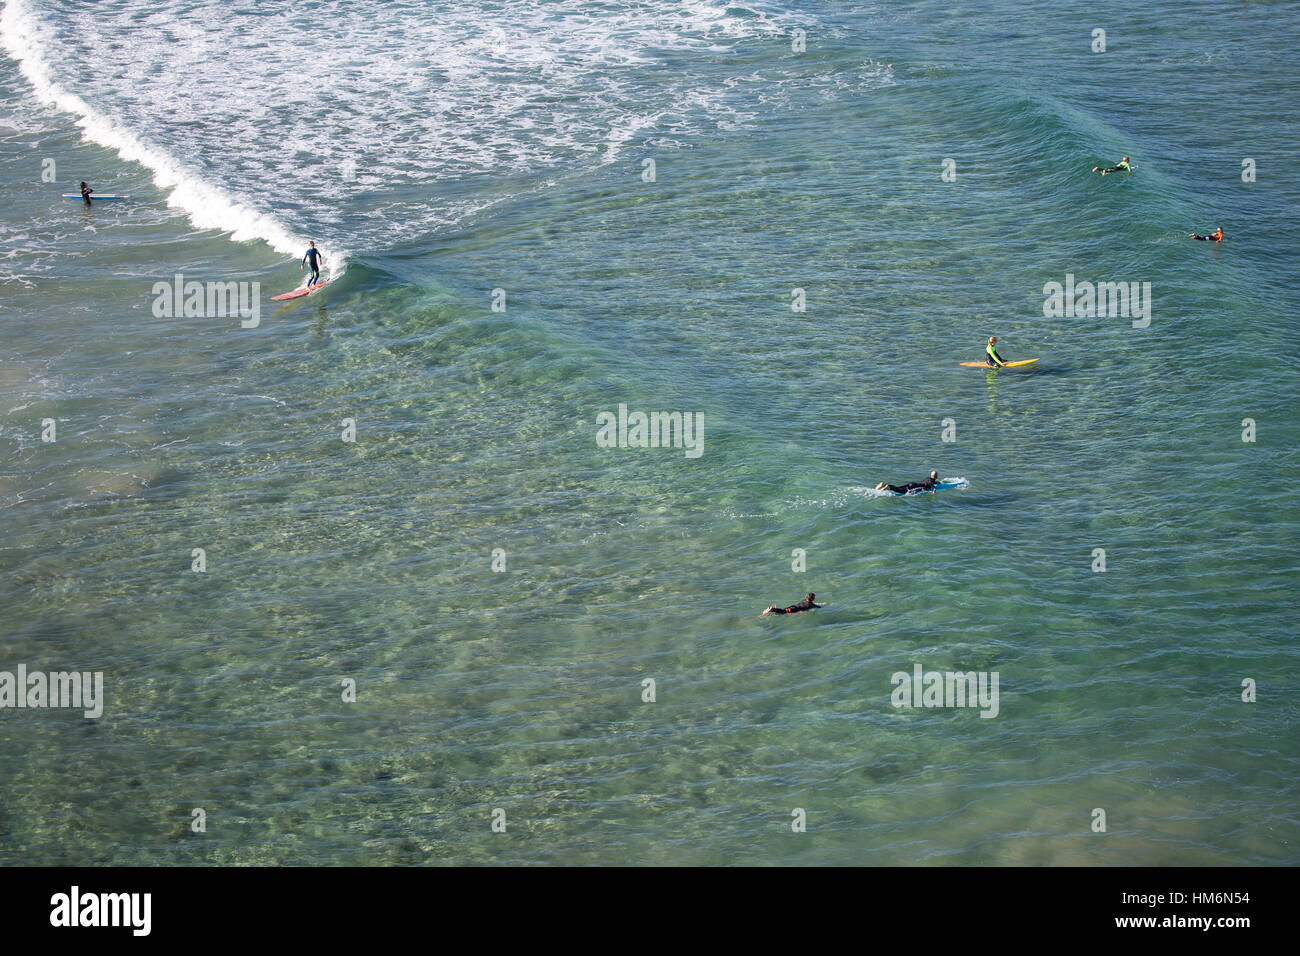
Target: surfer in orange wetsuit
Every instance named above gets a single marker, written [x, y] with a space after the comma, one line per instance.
[1216, 236]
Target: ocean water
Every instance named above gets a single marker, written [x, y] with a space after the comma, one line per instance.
[438, 151]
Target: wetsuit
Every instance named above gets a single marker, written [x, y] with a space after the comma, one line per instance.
[927, 485]
[1120, 167]
[312, 257]
[804, 605]
[1216, 236]
[993, 357]
[85, 193]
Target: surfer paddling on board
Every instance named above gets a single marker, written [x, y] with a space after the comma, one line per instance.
[927, 485]
[806, 604]
[993, 359]
[312, 258]
[1123, 166]
[85, 193]
[1216, 236]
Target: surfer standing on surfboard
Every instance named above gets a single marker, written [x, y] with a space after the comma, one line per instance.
[85, 193]
[994, 358]
[312, 258]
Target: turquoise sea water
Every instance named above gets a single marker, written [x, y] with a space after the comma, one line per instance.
[440, 151]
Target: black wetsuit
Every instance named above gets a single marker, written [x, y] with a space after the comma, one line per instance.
[993, 354]
[927, 485]
[1208, 238]
[804, 605]
[312, 255]
[85, 194]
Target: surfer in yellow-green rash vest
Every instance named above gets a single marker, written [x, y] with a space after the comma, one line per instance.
[1123, 166]
[994, 359]
[314, 259]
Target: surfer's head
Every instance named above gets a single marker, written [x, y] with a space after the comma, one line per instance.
[934, 475]
[1125, 159]
[993, 340]
[312, 243]
[810, 597]
[83, 184]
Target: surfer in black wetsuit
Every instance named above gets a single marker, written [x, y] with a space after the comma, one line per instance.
[85, 193]
[314, 259]
[806, 604]
[927, 485]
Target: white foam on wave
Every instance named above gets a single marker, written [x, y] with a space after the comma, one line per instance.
[25, 39]
[379, 120]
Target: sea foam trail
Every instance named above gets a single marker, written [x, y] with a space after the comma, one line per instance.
[205, 205]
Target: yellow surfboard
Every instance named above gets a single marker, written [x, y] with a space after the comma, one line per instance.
[1007, 365]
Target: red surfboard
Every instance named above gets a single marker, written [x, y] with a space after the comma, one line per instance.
[296, 293]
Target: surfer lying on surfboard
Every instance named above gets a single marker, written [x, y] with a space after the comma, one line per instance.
[805, 605]
[1216, 236]
[312, 256]
[926, 485]
[1123, 166]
